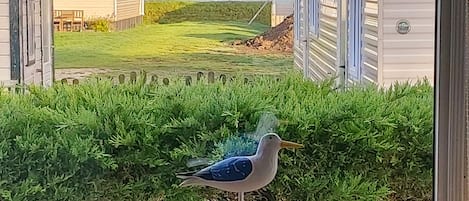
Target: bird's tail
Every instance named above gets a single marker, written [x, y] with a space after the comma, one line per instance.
[189, 179]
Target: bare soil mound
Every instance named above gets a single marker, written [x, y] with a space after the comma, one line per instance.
[278, 38]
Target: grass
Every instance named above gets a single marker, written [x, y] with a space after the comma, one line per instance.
[169, 48]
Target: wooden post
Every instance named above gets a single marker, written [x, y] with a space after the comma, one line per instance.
[246, 80]
[64, 81]
[166, 81]
[75, 82]
[211, 77]
[121, 79]
[223, 78]
[143, 75]
[154, 79]
[133, 77]
[199, 76]
[188, 80]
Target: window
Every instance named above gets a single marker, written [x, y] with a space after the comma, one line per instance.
[313, 16]
[30, 24]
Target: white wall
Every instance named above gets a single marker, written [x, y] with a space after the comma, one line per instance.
[4, 41]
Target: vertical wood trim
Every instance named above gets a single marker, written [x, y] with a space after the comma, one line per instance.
[449, 120]
[466, 102]
[380, 41]
[15, 39]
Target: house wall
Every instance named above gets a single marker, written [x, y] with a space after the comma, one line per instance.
[409, 56]
[370, 49]
[127, 9]
[91, 8]
[324, 48]
[31, 64]
[47, 34]
[4, 41]
[129, 14]
[298, 32]
[280, 10]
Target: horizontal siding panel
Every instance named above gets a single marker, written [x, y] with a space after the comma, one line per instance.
[283, 7]
[409, 74]
[405, 44]
[5, 62]
[127, 9]
[407, 14]
[409, 37]
[4, 22]
[407, 59]
[321, 54]
[416, 67]
[408, 51]
[409, 5]
[323, 49]
[329, 3]
[5, 49]
[4, 75]
[370, 43]
[414, 29]
[91, 8]
[4, 8]
[408, 2]
[4, 36]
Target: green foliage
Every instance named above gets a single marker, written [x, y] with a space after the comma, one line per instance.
[97, 141]
[178, 11]
[100, 24]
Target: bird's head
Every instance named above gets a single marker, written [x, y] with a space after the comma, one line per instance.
[272, 141]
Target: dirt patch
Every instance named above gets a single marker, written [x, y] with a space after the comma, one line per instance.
[278, 38]
[79, 73]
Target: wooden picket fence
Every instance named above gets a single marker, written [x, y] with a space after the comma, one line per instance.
[154, 79]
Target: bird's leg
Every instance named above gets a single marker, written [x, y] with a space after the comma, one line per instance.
[241, 196]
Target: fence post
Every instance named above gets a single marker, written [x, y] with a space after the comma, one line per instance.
[166, 81]
[223, 78]
[133, 77]
[211, 77]
[154, 79]
[121, 79]
[64, 81]
[199, 76]
[143, 75]
[246, 80]
[76, 81]
[188, 80]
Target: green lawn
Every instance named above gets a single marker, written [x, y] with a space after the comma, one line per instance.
[170, 48]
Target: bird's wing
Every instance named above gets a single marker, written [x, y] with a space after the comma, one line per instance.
[231, 169]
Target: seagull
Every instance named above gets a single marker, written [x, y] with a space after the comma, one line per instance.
[242, 173]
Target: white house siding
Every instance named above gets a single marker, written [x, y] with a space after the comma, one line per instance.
[323, 59]
[370, 50]
[128, 9]
[280, 10]
[46, 17]
[4, 41]
[409, 56]
[91, 8]
[299, 33]
[32, 73]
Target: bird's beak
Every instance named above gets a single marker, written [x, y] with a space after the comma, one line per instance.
[287, 144]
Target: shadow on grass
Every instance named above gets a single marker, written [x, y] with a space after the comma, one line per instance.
[222, 37]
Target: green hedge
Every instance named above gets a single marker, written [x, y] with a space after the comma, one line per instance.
[97, 141]
[179, 11]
